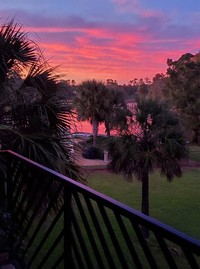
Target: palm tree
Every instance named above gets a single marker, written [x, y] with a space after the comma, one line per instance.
[119, 114]
[158, 143]
[92, 103]
[34, 112]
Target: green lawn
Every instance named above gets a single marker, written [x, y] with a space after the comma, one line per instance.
[175, 203]
[194, 152]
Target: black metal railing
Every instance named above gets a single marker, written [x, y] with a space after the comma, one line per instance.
[64, 224]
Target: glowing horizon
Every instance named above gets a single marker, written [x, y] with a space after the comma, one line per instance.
[118, 39]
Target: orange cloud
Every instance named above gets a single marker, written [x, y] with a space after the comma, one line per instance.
[120, 51]
[123, 60]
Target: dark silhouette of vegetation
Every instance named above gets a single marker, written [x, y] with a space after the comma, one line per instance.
[97, 103]
[158, 143]
[183, 90]
[34, 111]
[92, 104]
[119, 114]
[93, 153]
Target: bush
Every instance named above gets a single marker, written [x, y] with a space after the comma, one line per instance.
[93, 153]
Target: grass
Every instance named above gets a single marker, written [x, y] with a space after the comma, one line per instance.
[194, 152]
[174, 203]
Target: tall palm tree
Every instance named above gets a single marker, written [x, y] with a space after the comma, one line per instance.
[119, 114]
[158, 143]
[92, 103]
[34, 112]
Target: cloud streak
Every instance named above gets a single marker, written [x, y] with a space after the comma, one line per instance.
[120, 47]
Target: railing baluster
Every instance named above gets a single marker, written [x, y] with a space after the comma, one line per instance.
[51, 249]
[45, 237]
[42, 220]
[77, 255]
[88, 229]
[143, 243]
[82, 242]
[23, 198]
[100, 234]
[8, 186]
[128, 241]
[190, 258]
[67, 226]
[35, 212]
[58, 262]
[166, 251]
[17, 185]
[29, 205]
[113, 237]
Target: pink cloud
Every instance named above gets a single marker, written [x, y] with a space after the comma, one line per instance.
[126, 5]
[135, 7]
[120, 50]
[125, 55]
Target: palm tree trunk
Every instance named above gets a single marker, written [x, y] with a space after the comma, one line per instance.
[145, 200]
[95, 128]
[107, 125]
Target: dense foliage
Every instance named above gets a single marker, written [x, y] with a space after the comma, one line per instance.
[34, 113]
[183, 90]
[92, 103]
[97, 103]
[93, 153]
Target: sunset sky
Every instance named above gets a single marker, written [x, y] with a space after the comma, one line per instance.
[118, 39]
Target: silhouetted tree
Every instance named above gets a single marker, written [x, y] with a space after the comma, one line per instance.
[158, 142]
[183, 89]
[92, 103]
[118, 114]
[34, 112]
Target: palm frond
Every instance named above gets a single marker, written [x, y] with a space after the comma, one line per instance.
[46, 150]
[16, 50]
[123, 151]
[159, 142]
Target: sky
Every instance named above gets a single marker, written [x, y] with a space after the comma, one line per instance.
[103, 39]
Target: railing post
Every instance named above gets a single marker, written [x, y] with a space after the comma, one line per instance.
[5, 191]
[68, 261]
[7, 203]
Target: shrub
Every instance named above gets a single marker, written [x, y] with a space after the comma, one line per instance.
[93, 153]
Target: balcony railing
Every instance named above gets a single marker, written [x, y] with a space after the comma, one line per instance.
[64, 224]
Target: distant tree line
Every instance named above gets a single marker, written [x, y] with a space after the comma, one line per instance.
[179, 86]
[98, 103]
